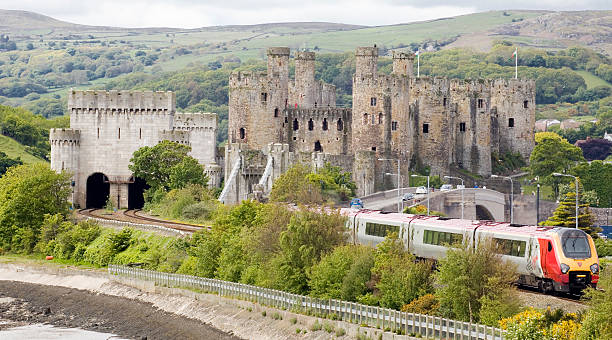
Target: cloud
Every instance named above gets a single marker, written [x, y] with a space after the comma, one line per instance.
[193, 13]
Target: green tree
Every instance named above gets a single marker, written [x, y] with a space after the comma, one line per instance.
[565, 214]
[597, 323]
[596, 176]
[27, 193]
[467, 276]
[294, 186]
[343, 273]
[309, 235]
[399, 278]
[167, 165]
[6, 162]
[552, 153]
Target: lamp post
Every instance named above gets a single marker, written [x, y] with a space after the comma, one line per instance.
[556, 174]
[463, 187]
[399, 183]
[511, 196]
[427, 190]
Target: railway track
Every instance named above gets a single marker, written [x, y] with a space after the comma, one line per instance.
[134, 217]
[566, 297]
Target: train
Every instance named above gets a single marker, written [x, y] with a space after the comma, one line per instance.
[551, 259]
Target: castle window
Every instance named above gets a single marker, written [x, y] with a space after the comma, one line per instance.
[394, 125]
[365, 119]
[511, 122]
[425, 128]
[62, 165]
[98, 133]
[286, 119]
[373, 101]
[380, 118]
[324, 124]
[444, 102]
[480, 103]
[462, 127]
[373, 119]
[315, 104]
[318, 147]
[264, 96]
[296, 125]
[140, 133]
[310, 125]
[373, 148]
[525, 104]
[340, 126]
[119, 134]
[242, 133]
[276, 112]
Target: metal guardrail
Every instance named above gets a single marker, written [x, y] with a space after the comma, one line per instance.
[134, 225]
[371, 316]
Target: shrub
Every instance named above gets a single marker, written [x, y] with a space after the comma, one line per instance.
[426, 304]
[316, 326]
[328, 327]
[293, 321]
[524, 326]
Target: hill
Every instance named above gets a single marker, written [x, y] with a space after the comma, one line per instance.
[14, 149]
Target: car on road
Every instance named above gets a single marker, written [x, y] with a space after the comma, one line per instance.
[408, 197]
[356, 203]
[421, 191]
[446, 187]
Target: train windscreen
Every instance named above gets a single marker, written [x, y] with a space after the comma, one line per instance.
[575, 244]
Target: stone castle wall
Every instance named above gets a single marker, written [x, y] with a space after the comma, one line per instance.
[422, 122]
[108, 126]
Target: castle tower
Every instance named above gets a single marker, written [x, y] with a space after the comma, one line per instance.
[65, 145]
[278, 63]
[305, 95]
[402, 64]
[366, 61]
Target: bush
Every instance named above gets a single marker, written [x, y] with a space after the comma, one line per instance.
[316, 326]
[426, 304]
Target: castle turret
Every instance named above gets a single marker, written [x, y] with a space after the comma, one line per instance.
[402, 63]
[366, 60]
[305, 87]
[278, 63]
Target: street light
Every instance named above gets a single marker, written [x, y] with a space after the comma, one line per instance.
[511, 196]
[399, 178]
[463, 187]
[427, 190]
[556, 174]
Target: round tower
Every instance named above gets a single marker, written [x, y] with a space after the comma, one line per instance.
[402, 63]
[305, 79]
[278, 63]
[366, 61]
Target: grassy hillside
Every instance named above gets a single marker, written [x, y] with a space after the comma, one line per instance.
[592, 80]
[13, 149]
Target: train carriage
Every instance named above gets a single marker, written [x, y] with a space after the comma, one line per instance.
[550, 258]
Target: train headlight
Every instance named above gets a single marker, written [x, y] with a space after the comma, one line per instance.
[594, 268]
[564, 268]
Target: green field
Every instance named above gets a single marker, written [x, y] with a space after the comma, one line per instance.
[13, 149]
[592, 80]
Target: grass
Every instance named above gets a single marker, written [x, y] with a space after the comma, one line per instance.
[14, 149]
[592, 80]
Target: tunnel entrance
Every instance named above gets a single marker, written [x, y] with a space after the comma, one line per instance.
[483, 213]
[98, 190]
[136, 193]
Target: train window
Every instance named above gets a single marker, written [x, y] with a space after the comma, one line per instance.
[575, 244]
[380, 230]
[511, 247]
[549, 246]
[439, 237]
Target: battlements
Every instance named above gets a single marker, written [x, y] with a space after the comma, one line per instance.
[402, 55]
[303, 55]
[195, 120]
[122, 100]
[332, 112]
[278, 51]
[64, 135]
[366, 52]
[246, 79]
[181, 137]
[525, 85]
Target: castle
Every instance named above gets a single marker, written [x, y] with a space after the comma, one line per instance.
[105, 130]
[438, 123]
[274, 122]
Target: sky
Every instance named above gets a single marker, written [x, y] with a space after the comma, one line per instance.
[200, 13]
